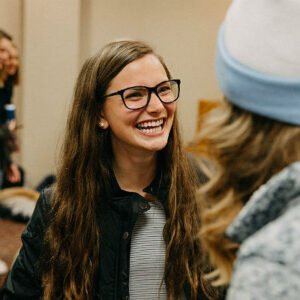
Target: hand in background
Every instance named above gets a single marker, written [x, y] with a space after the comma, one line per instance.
[12, 125]
[13, 173]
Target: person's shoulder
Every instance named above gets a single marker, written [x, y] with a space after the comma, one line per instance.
[287, 227]
[279, 239]
[45, 198]
[41, 214]
[268, 263]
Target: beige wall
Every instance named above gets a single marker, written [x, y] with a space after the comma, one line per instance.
[11, 18]
[50, 64]
[56, 36]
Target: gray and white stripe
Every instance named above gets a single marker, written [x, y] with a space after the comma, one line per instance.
[147, 255]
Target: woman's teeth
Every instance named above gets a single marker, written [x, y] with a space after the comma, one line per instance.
[150, 126]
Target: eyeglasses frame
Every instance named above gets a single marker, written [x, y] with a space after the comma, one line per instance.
[150, 91]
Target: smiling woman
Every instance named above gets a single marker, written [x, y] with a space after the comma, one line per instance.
[122, 219]
[146, 125]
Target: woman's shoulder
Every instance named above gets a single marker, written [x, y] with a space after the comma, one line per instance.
[41, 213]
[45, 199]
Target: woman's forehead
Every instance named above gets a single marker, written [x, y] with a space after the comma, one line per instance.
[145, 71]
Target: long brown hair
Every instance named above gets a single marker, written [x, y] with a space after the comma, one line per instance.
[247, 150]
[73, 236]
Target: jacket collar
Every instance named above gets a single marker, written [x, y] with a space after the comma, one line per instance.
[159, 188]
[267, 203]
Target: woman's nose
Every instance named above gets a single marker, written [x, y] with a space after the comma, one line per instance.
[155, 104]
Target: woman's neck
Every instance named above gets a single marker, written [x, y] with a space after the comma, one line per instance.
[134, 172]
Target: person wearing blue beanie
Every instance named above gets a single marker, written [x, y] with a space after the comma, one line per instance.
[251, 204]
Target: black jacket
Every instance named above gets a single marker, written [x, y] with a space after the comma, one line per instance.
[4, 150]
[117, 224]
[5, 98]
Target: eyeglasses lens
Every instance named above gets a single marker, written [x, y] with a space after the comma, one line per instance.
[168, 91]
[137, 97]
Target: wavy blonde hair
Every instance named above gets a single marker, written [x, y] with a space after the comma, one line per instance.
[246, 151]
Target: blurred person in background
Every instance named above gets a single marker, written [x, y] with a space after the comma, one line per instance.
[251, 204]
[12, 174]
[5, 94]
[12, 70]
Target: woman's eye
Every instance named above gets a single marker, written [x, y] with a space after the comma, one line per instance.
[135, 94]
[164, 89]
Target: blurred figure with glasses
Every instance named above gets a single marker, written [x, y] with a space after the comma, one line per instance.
[122, 219]
[5, 53]
[11, 174]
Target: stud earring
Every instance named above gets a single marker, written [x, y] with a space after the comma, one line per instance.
[102, 125]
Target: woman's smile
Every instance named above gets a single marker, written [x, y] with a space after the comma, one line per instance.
[151, 126]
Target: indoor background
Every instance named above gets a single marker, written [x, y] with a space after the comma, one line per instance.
[56, 36]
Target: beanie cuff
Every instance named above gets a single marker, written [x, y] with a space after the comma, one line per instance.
[270, 96]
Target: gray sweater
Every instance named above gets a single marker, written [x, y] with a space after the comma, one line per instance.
[268, 229]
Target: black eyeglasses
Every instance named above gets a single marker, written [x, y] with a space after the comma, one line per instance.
[137, 97]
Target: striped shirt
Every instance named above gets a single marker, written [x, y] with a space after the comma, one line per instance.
[147, 255]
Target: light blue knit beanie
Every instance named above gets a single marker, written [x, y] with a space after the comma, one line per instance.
[258, 58]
